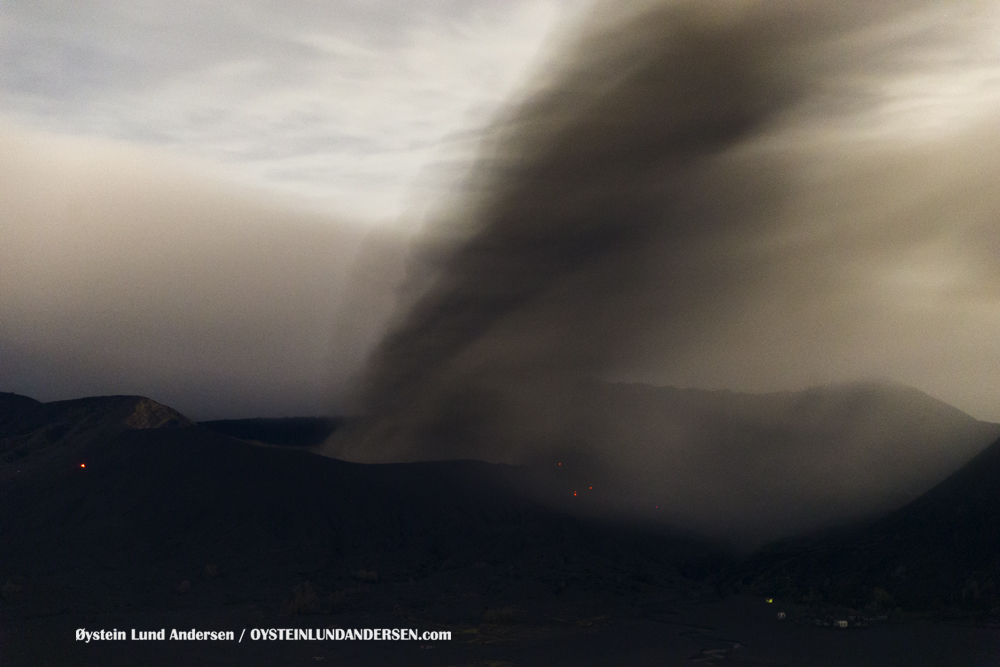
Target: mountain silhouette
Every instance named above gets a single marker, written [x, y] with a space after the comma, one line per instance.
[31, 432]
[939, 553]
[742, 468]
[284, 431]
[120, 512]
[754, 467]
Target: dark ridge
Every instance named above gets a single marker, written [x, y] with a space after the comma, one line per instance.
[17, 413]
[142, 522]
[32, 432]
[154, 508]
[741, 467]
[20, 415]
[938, 554]
[287, 431]
[9, 400]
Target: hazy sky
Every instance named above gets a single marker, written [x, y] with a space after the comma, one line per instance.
[184, 184]
[345, 103]
[184, 188]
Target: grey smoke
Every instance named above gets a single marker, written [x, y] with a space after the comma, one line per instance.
[714, 191]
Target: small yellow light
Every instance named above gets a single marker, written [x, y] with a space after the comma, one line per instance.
[770, 600]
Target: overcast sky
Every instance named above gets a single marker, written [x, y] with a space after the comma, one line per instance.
[185, 189]
[346, 103]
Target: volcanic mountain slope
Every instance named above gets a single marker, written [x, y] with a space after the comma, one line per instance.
[284, 431]
[742, 468]
[31, 431]
[940, 553]
[244, 525]
[186, 523]
[119, 500]
[756, 467]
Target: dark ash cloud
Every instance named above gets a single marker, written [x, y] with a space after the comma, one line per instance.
[690, 181]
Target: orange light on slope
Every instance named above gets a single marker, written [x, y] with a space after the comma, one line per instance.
[83, 465]
[574, 493]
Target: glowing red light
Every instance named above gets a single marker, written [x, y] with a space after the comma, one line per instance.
[560, 464]
[591, 488]
[574, 493]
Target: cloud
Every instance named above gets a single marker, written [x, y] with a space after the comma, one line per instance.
[341, 103]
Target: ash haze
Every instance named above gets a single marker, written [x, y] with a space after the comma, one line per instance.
[744, 195]
[122, 274]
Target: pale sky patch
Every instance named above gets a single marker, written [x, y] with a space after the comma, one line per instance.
[343, 105]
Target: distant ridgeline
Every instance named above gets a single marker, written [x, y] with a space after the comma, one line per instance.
[286, 432]
[31, 432]
[939, 553]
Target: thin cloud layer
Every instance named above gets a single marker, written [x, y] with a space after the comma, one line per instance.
[342, 103]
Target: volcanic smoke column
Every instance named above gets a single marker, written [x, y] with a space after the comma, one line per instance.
[624, 162]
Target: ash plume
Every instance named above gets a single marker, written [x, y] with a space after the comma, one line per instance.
[684, 171]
